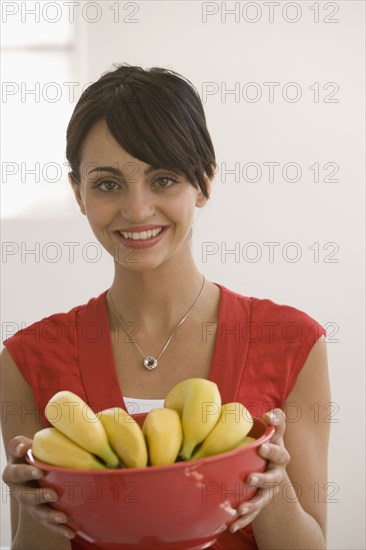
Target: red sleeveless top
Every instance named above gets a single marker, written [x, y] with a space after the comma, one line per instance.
[260, 348]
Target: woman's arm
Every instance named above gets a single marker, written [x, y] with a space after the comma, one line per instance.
[33, 525]
[297, 516]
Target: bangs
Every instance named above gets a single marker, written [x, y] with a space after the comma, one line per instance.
[145, 125]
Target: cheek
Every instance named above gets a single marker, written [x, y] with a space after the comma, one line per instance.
[95, 211]
[182, 208]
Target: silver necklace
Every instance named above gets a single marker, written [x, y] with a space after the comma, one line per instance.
[150, 362]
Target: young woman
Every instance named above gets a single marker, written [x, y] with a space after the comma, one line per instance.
[141, 162]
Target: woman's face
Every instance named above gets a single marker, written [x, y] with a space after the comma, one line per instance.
[140, 214]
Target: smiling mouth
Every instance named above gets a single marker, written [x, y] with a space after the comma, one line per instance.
[141, 235]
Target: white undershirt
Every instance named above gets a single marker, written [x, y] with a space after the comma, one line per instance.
[135, 406]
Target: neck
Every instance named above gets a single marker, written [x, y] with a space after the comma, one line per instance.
[163, 294]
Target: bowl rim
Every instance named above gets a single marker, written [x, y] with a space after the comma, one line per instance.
[269, 431]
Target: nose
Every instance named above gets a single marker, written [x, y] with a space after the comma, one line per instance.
[137, 204]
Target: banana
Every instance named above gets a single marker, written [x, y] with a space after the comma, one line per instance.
[234, 424]
[67, 412]
[244, 442]
[125, 437]
[198, 404]
[51, 446]
[163, 431]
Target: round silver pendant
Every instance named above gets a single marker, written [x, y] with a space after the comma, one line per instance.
[150, 363]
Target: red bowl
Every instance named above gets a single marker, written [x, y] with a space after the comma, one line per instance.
[183, 506]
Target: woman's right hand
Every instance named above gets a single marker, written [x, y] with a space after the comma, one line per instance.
[21, 478]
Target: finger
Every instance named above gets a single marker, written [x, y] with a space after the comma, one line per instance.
[247, 511]
[34, 497]
[276, 454]
[261, 499]
[18, 446]
[243, 521]
[31, 496]
[46, 514]
[276, 418]
[20, 473]
[267, 480]
[54, 520]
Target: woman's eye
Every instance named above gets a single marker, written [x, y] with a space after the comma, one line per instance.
[107, 185]
[165, 181]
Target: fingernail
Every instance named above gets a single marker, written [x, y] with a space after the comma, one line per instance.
[69, 535]
[272, 417]
[264, 449]
[50, 496]
[19, 448]
[37, 474]
[254, 480]
[60, 519]
[234, 529]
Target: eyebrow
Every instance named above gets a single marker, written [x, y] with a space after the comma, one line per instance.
[117, 171]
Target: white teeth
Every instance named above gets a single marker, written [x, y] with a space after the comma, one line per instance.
[142, 236]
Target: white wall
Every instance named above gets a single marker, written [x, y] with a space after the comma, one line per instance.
[328, 287]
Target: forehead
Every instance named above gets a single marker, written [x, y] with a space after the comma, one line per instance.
[100, 148]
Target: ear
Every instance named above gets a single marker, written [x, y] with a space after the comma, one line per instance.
[201, 199]
[76, 188]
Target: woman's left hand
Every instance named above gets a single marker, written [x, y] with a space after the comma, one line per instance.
[268, 482]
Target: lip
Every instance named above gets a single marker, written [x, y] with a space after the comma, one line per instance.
[132, 244]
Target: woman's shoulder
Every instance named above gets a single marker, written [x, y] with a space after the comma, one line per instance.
[54, 325]
[268, 314]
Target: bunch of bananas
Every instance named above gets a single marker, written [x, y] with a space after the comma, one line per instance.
[81, 439]
[192, 424]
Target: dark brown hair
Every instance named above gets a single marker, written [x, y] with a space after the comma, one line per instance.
[156, 115]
